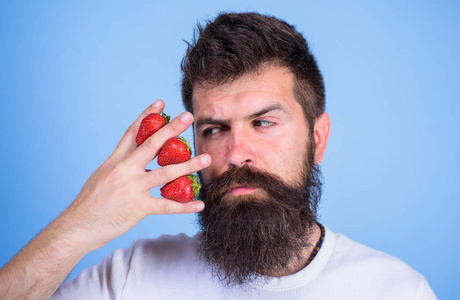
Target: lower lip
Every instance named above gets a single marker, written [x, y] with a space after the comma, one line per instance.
[241, 191]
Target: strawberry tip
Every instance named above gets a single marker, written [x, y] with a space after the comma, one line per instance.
[183, 140]
[196, 186]
[166, 117]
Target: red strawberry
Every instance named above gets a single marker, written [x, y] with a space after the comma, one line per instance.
[149, 125]
[174, 151]
[183, 189]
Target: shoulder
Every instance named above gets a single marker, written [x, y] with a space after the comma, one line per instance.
[170, 244]
[350, 252]
[165, 248]
[377, 270]
[146, 260]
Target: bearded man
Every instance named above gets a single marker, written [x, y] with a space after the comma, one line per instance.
[260, 128]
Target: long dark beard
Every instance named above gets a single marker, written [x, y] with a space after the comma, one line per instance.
[244, 237]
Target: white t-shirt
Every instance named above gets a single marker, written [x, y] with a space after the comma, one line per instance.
[169, 268]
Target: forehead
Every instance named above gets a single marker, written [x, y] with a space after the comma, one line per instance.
[248, 93]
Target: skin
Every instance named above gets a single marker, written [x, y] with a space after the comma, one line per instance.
[256, 120]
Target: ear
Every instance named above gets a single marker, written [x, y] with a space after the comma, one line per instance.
[321, 132]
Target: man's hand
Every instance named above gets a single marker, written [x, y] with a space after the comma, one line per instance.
[114, 199]
[117, 196]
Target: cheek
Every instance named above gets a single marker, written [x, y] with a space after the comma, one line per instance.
[273, 155]
[284, 158]
[219, 160]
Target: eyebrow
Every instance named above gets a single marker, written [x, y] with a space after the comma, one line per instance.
[212, 121]
[266, 110]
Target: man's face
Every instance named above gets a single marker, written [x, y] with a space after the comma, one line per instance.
[262, 187]
[254, 121]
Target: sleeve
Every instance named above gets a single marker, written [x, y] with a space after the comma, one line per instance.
[102, 281]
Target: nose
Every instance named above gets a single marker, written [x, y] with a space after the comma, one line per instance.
[241, 150]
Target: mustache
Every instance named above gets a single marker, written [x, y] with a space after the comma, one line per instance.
[243, 176]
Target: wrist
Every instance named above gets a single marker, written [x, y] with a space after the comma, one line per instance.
[67, 238]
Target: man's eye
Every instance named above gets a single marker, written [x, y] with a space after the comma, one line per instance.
[211, 131]
[263, 123]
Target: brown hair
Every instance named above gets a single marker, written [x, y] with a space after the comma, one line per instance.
[235, 44]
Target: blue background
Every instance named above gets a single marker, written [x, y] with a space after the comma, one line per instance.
[75, 74]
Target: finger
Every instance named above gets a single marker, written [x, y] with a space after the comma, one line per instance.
[161, 206]
[168, 173]
[144, 154]
[128, 142]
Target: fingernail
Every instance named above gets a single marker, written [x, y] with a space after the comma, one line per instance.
[185, 117]
[156, 103]
[199, 206]
[204, 160]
